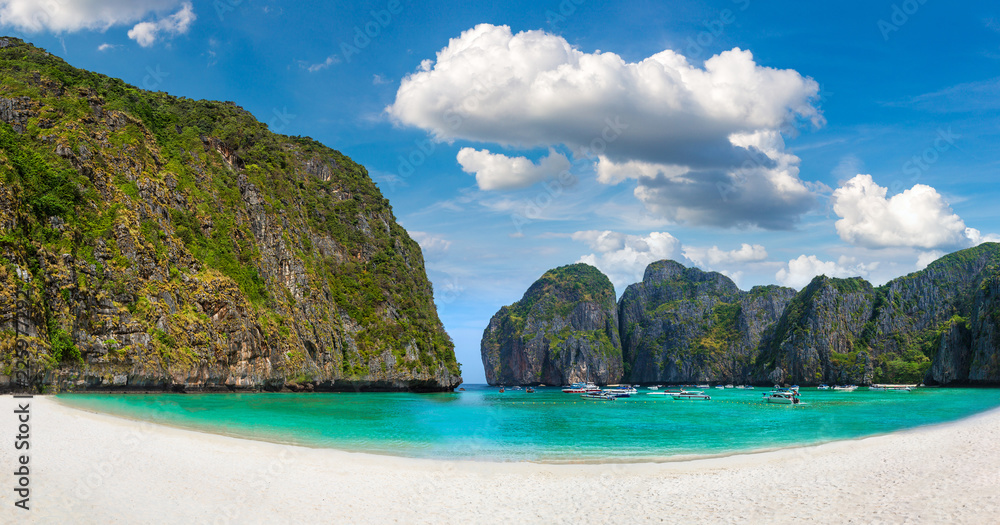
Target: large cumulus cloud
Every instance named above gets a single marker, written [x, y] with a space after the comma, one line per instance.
[695, 139]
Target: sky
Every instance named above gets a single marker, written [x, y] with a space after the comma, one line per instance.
[769, 141]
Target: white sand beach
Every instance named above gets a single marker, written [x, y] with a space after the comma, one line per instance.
[94, 468]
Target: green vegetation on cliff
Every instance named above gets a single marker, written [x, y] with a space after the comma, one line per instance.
[564, 329]
[168, 212]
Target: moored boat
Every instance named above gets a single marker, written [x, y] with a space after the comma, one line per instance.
[823, 387]
[602, 396]
[581, 388]
[890, 388]
[845, 388]
[693, 395]
[782, 397]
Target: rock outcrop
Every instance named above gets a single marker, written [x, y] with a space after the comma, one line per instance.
[683, 325]
[167, 243]
[563, 330]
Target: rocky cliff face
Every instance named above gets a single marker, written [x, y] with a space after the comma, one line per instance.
[683, 325]
[815, 339]
[171, 243]
[563, 330]
[940, 325]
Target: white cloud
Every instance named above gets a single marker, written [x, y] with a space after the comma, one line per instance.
[925, 258]
[432, 245]
[496, 171]
[146, 33]
[714, 256]
[104, 47]
[330, 60]
[59, 16]
[918, 217]
[623, 258]
[653, 120]
[379, 80]
[976, 237]
[799, 271]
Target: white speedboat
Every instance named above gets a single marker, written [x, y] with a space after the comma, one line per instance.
[627, 390]
[694, 395]
[823, 387]
[782, 397]
[846, 388]
[890, 388]
[581, 388]
[600, 396]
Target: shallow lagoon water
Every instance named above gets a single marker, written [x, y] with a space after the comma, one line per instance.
[483, 424]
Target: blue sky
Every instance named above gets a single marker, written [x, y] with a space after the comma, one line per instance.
[847, 138]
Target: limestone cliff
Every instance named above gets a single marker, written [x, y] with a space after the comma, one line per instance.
[563, 330]
[168, 243]
[683, 325]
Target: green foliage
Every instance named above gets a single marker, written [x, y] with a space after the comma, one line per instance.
[559, 290]
[215, 151]
[48, 191]
[723, 334]
[62, 348]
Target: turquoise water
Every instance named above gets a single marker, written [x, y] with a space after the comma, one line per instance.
[483, 424]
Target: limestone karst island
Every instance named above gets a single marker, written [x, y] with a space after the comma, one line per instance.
[575, 261]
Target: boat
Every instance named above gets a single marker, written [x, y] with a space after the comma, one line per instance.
[624, 390]
[501, 390]
[529, 390]
[783, 396]
[702, 386]
[694, 395]
[653, 387]
[846, 388]
[730, 386]
[581, 388]
[599, 395]
[823, 387]
[745, 387]
[890, 388]
[720, 387]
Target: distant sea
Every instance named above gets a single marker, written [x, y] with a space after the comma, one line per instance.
[547, 426]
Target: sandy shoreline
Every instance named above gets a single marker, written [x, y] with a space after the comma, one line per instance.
[94, 468]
